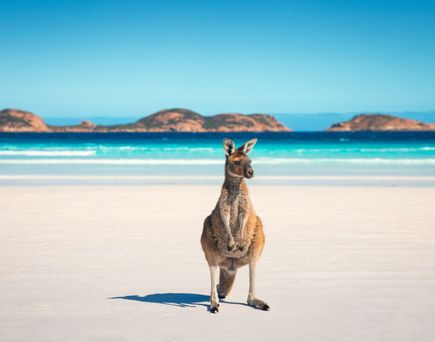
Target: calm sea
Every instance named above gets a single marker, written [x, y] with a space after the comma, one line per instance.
[302, 157]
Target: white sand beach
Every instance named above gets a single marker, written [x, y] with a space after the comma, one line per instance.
[124, 263]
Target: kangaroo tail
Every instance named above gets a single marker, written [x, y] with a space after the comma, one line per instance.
[226, 282]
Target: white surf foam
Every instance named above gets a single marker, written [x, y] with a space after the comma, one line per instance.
[168, 177]
[48, 153]
[115, 161]
[259, 161]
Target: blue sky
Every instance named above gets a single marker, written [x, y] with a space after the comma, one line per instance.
[132, 58]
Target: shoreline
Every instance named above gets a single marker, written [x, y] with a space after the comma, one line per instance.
[323, 181]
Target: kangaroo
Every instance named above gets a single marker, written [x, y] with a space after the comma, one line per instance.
[233, 235]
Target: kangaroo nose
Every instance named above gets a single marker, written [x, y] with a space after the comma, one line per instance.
[250, 172]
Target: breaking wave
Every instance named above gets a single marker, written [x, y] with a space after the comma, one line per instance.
[48, 153]
[258, 161]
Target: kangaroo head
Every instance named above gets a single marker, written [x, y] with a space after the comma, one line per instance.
[238, 164]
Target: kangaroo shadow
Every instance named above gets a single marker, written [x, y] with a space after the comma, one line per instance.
[182, 300]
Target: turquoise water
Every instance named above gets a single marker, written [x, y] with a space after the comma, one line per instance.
[191, 156]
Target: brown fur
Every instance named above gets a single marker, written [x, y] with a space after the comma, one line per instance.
[244, 244]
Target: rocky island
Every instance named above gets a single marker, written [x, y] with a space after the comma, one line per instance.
[381, 122]
[13, 120]
[169, 120]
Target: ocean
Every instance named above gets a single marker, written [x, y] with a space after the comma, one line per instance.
[288, 157]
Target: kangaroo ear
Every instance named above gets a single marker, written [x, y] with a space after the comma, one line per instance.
[229, 147]
[248, 146]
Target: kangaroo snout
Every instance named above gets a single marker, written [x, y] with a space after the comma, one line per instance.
[249, 173]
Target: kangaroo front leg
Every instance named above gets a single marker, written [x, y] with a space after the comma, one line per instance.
[243, 218]
[252, 299]
[214, 299]
[225, 215]
[226, 219]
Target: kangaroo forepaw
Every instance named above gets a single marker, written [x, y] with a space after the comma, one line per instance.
[231, 245]
[214, 307]
[258, 304]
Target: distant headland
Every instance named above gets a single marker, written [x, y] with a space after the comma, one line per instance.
[168, 120]
[185, 120]
[380, 122]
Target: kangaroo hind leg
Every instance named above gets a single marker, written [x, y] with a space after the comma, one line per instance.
[214, 300]
[252, 298]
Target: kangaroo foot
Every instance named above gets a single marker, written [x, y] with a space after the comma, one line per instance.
[258, 304]
[214, 307]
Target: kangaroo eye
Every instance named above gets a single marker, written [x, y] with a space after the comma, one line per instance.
[237, 162]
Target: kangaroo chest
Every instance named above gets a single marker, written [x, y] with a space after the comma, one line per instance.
[237, 205]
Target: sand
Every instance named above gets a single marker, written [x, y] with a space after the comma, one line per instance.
[124, 263]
